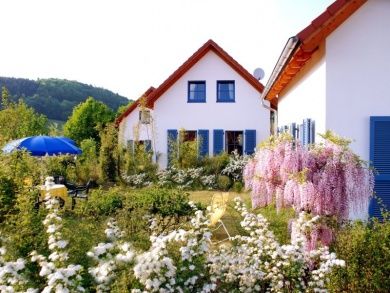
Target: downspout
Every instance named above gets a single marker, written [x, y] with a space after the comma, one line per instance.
[291, 45]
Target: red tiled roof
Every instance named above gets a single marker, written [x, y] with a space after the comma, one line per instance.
[135, 104]
[309, 40]
[210, 45]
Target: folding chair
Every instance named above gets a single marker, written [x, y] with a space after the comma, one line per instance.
[218, 208]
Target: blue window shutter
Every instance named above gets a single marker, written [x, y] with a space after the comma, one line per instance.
[313, 132]
[307, 131]
[293, 130]
[380, 160]
[250, 141]
[148, 145]
[203, 135]
[171, 140]
[304, 133]
[218, 141]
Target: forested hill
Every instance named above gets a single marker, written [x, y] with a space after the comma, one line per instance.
[56, 97]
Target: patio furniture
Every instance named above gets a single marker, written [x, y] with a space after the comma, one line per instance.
[79, 192]
[58, 191]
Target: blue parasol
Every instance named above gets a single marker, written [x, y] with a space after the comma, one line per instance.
[43, 145]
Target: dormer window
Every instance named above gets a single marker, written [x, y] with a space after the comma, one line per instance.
[144, 116]
[196, 92]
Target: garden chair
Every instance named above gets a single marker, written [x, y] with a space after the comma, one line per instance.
[218, 209]
[79, 192]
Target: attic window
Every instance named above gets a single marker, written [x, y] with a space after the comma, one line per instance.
[144, 116]
[196, 92]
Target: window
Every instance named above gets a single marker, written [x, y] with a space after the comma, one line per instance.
[196, 92]
[225, 91]
[234, 141]
[188, 135]
[144, 116]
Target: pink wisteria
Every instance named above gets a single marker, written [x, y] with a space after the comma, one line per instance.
[326, 179]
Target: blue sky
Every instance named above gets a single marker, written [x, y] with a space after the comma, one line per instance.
[127, 45]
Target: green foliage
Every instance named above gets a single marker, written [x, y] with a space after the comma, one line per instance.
[56, 98]
[185, 154]
[224, 182]
[108, 156]
[104, 202]
[365, 247]
[139, 160]
[336, 139]
[215, 165]
[123, 108]
[86, 163]
[17, 120]
[87, 119]
[237, 186]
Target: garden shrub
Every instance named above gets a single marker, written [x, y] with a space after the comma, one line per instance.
[108, 155]
[365, 247]
[238, 186]
[223, 182]
[214, 165]
[104, 202]
[86, 163]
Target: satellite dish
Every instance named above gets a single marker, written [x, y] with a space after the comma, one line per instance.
[258, 73]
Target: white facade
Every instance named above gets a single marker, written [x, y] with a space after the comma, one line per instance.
[347, 80]
[173, 111]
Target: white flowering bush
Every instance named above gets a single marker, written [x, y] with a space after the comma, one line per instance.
[60, 276]
[137, 180]
[11, 278]
[109, 257]
[235, 168]
[176, 261]
[185, 178]
[258, 263]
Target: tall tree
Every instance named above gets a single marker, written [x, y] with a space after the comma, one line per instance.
[87, 119]
[18, 120]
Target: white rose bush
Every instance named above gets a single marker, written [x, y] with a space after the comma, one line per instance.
[182, 260]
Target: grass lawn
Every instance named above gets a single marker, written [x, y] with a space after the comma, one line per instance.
[278, 221]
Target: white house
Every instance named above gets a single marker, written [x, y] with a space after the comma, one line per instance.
[335, 75]
[211, 96]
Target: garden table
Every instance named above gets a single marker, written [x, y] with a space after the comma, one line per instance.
[56, 190]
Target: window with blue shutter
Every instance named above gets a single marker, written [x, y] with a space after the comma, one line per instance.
[250, 141]
[172, 143]
[203, 135]
[380, 160]
[218, 141]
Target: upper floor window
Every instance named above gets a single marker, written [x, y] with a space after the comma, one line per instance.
[196, 91]
[144, 116]
[225, 91]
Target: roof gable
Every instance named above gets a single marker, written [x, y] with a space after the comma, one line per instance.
[210, 45]
[307, 42]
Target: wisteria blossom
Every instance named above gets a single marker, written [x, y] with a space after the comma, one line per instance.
[327, 179]
[109, 257]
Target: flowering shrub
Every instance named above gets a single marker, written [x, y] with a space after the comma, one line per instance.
[109, 256]
[327, 179]
[234, 169]
[60, 277]
[258, 263]
[185, 178]
[137, 180]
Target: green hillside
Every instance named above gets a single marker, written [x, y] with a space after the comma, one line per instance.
[56, 98]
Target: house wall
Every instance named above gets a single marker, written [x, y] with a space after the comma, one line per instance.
[131, 129]
[305, 96]
[172, 111]
[358, 73]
